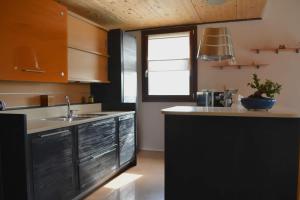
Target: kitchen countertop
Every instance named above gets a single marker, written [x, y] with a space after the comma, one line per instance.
[40, 125]
[236, 111]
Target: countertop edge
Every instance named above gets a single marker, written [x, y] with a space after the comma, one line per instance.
[232, 114]
[227, 112]
[58, 125]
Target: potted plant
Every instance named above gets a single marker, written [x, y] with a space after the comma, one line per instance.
[263, 97]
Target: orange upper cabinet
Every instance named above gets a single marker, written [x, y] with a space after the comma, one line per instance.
[87, 51]
[33, 41]
[86, 36]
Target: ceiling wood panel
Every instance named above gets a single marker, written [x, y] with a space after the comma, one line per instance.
[250, 9]
[212, 13]
[141, 14]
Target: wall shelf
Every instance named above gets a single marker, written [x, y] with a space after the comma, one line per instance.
[277, 50]
[240, 66]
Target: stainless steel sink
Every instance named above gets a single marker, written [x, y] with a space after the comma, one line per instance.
[90, 115]
[66, 119]
[75, 118]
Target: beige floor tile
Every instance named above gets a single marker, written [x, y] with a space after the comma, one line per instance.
[143, 182]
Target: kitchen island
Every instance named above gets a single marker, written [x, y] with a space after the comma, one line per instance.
[231, 153]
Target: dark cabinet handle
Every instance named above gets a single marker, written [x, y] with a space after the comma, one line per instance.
[102, 123]
[98, 124]
[126, 117]
[55, 133]
[102, 154]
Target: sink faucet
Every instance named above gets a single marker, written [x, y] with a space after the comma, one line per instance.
[69, 111]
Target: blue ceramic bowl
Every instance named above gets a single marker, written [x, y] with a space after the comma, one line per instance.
[258, 104]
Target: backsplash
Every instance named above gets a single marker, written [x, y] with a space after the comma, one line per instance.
[54, 111]
[27, 94]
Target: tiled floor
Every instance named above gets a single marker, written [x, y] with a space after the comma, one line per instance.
[143, 182]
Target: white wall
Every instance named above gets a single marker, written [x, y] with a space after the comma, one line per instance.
[280, 25]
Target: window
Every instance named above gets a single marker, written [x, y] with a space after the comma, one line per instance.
[169, 64]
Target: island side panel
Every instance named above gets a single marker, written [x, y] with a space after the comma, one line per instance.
[14, 166]
[234, 158]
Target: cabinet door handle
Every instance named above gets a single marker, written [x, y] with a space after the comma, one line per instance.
[34, 70]
[130, 116]
[55, 133]
[102, 123]
[98, 124]
[102, 154]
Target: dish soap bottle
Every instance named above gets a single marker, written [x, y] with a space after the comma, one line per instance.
[91, 99]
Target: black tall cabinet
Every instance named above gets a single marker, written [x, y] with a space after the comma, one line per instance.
[121, 93]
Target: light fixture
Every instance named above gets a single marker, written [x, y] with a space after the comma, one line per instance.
[216, 45]
[215, 2]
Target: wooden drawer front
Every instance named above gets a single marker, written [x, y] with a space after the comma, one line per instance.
[97, 169]
[127, 138]
[96, 137]
[53, 169]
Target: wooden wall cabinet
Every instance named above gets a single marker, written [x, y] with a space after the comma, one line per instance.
[119, 95]
[33, 40]
[87, 51]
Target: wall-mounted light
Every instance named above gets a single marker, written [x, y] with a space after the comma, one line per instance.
[215, 2]
[216, 45]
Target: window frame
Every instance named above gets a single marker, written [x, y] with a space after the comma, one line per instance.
[193, 70]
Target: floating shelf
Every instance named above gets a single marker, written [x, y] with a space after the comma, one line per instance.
[277, 50]
[240, 66]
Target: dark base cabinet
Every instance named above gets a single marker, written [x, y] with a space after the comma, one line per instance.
[1, 179]
[52, 165]
[127, 139]
[96, 170]
[66, 163]
[95, 138]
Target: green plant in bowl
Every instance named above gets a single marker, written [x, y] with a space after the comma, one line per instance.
[263, 97]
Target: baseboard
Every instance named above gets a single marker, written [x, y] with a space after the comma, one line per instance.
[150, 149]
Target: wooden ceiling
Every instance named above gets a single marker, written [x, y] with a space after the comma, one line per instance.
[141, 14]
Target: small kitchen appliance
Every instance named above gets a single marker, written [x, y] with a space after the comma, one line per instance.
[214, 98]
[2, 105]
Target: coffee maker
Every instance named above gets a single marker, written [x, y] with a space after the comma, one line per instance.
[215, 98]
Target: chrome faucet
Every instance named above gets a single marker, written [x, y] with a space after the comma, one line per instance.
[69, 111]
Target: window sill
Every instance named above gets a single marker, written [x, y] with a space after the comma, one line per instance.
[168, 99]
